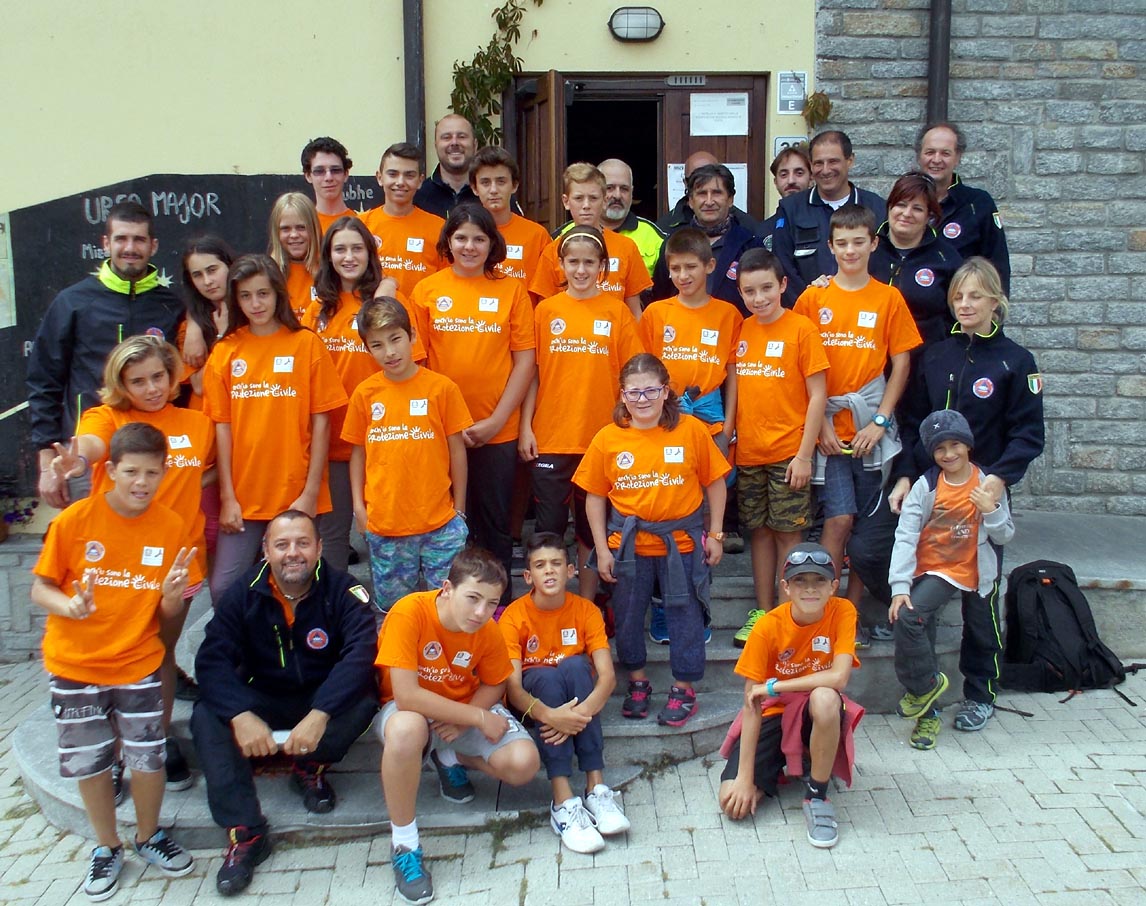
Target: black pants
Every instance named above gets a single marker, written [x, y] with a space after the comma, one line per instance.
[230, 781]
[489, 490]
[982, 640]
[870, 544]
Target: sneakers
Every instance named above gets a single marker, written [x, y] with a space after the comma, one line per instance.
[926, 732]
[454, 781]
[178, 774]
[863, 637]
[602, 804]
[575, 826]
[820, 817]
[680, 707]
[913, 706]
[248, 848]
[117, 780]
[636, 703]
[973, 715]
[103, 873]
[165, 854]
[308, 779]
[744, 631]
[733, 543]
[186, 689]
[658, 625]
[413, 882]
[882, 632]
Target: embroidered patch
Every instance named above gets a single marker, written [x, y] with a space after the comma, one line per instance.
[1035, 383]
[983, 388]
[238, 367]
[742, 349]
[533, 644]
[785, 655]
[360, 593]
[624, 460]
[377, 411]
[444, 303]
[317, 639]
[925, 276]
[557, 327]
[432, 651]
[952, 231]
[93, 552]
[826, 316]
[669, 334]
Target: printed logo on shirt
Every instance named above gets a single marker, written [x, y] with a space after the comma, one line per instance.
[925, 276]
[432, 651]
[557, 327]
[785, 655]
[238, 367]
[602, 328]
[415, 244]
[462, 659]
[742, 349]
[155, 332]
[732, 270]
[822, 644]
[674, 454]
[569, 636]
[444, 303]
[624, 460]
[669, 334]
[952, 231]
[866, 319]
[420, 407]
[533, 644]
[487, 303]
[515, 252]
[614, 265]
[284, 364]
[354, 323]
[93, 552]
[774, 350]
[377, 411]
[983, 388]
[709, 337]
[317, 639]
[179, 442]
[152, 556]
[826, 316]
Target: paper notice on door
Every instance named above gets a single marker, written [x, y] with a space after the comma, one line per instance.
[674, 179]
[718, 113]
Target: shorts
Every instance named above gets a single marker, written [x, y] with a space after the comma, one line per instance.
[849, 488]
[400, 565]
[770, 760]
[472, 742]
[90, 718]
[551, 479]
[768, 501]
[379, 724]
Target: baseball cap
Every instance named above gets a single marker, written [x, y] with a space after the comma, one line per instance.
[809, 557]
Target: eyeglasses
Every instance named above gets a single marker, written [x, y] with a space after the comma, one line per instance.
[322, 171]
[649, 393]
[797, 558]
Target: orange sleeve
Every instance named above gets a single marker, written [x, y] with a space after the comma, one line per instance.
[844, 629]
[544, 282]
[755, 658]
[522, 335]
[354, 425]
[592, 627]
[651, 328]
[455, 414]
[902, 334]
[99, 421]
[52, 565]
[813, 359]
[398, 640]
[590, 474]
[510, 627]
[493, 665]
[216, 390]
[629, 341]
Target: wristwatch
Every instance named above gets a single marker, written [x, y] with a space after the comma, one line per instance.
[719, 536]
[880, 419]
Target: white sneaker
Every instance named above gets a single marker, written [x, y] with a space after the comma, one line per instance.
[603, 804]
[575, 827]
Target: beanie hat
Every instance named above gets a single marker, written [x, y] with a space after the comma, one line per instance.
[945, 424]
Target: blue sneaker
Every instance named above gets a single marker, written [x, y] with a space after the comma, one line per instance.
[658, 625]
[410, 876]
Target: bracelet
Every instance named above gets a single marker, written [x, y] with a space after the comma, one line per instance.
[465, 518]
[530, 708]
[770, 687]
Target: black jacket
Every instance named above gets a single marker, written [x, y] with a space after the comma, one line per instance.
[995, 383]
[438, 197]
[328, 655]
[800, 239]
[971, 223]
[722, 281]
[681, 215]
[922, 274]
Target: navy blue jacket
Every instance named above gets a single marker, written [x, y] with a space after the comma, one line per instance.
[722, 281]
[800, 239]
[995, 383]
[971, 223]
[327, 656]
[922, 274]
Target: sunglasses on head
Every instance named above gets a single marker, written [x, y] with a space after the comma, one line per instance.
[797, 558]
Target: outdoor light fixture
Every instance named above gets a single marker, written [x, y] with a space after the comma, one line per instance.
[636, 23]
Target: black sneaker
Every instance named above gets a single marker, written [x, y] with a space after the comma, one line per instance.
[636, 703]
[680, 707]
[186, 689]
[117, 780]
[248, 848]
[410, 876]
[308, 779]
[454, 781]
[178, 773]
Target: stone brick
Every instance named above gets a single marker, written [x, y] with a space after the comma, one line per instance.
[1070, 265]
[863, 89]
[1119, 71]
[989, 49]
[1018, 70]
[1082, 386]
[855, 48]
[915, 89]
[1089, 338]
[1136, 241]
[883, 23]
[1097, 289]
[1123, 112]
[988, 6]
[1093, 240]
[1105, 483]
[1126, 506]
[1116, 363]
[1099, 162]
[1108, 138]
[1071, 112]
[901, 69]
[982, 88]
[1035, 50]
[1050, 338]
[842, 69]
[1056, 138]
[1121, 407]
[1074, 312]
[1068, 407]
[1030, 314]
[1079, 214]
[1021, 265]
[1089, 50]
[1032, 240]
[1115, 432]
[1039, 289]
[1086, 457]
[1132, 50]
[1094, 187]
[964, 26]
[1010, 26]
[974, 69]
[1127, 263]
[1125, 313]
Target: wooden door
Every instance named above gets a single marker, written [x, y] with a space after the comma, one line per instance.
[539, 147]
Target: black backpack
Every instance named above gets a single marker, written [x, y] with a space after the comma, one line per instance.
[1052, 642]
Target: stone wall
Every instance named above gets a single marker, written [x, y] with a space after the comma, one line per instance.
[1051, 96]
[21, 621]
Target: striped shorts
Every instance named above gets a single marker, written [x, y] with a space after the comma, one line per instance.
[90, 718]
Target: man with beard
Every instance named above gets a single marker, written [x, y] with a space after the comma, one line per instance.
[126, 296]
[286, 664]
[619, 215]
[449, 184]
[792, 173]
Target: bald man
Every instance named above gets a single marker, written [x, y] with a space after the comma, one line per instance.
[449, 184]
[681, 214]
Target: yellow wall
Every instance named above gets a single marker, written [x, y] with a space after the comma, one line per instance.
[99, 91]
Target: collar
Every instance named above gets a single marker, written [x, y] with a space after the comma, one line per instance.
[436, 177]
[117, 284]
[884, 233]
[814, 196]
[261, 583]
[628, 224]
[721, 229]
[957, 331]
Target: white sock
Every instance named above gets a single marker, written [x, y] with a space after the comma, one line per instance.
[447, 757]
[405, 835]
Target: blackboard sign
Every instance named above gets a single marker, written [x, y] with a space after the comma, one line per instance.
[57, 243]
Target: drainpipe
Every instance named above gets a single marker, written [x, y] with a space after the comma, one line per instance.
[938, 60]
[413, 64]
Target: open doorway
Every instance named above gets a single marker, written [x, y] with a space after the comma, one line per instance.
[600, 129]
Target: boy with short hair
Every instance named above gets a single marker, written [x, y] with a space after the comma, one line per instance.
[406, 236]
[408, 468]
[494, 178]
[556, 643]
[865, 325]
[942, 545]
[781, 392]
[122, 563]
[796, 664]
[326, 166]
[444, 669]
[584, 199]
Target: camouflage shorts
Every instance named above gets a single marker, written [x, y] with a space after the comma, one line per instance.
[767, 500]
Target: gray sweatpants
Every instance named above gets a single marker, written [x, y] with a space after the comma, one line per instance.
[915, 661]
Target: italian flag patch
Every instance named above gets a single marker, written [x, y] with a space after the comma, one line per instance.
[1035, 383]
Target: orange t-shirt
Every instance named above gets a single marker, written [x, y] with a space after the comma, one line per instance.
[582, 344]
[407, 245]
[326, 220]
[653, 474]
[525, 240]
[627, 275]
[780, 647]
[773, 362]
[695, 344]
[119, 642]
[451, 664]
[544, 638]
[861, 330]
[300, 288]
[351, 360]
[403, 427]
[267, 388]
[190, 452]
[470, 327]
[948, 544]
